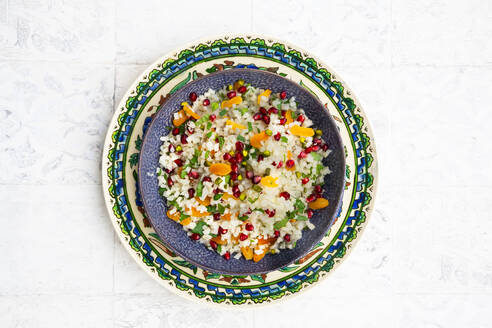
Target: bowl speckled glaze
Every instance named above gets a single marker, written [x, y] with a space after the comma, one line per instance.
[172, 233]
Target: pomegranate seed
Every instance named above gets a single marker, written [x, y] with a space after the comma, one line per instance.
[309, 213]
[302, 154]
[267, 211]
[276, 233]
[248, 211]
[273, 110]
[212, 117]
[274, 163]
[170, 182]
[242, 89]
[238, 157]
[282, 121]
[263, 111]
[216, 216]
[168, 171]
[300, 118]
[249, 227]
[195, 236]
[283, 113]
[179, 162]
[324, 147]
[266, 119]
[213, 244]
[285, 195]
[260, 158]
[226, 156]
[308, 149]
[311, 198]
[227, 256]
[184, 138]
[231, 94]
[283, 95]
[243, 236]
[206, 102]
[191, 193]
[222, 230]
[256, 179]
[257, 116]
[234, 176]
[277, 136]
[317, 141]
[236, 194]
[193, 174]
[315, 147]
[318, 189]
[217, 191]
[280, 164]
[175, 131]
[235, 188]
[207, 179]
[272, 213]
[193, 96]
[234, 168]
[249, 174]
[232, 160]
[290, 163]
[190, 130]
[239, 146]
[305, 180]
[216, 140]
[171, 148]
[287, 237]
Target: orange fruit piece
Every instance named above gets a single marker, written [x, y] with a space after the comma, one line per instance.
[220, 168]
[233, 101]
[219, 240]
[265, 93]
[235, 125]
[175, 216]
[182, 117]
[186, 221]
[288, 116]
[269, 181]
[204, 202]
[301, 131]
[226, 217]
[256, 139]
[247, 252]
[189, 111]
[319, 203]
[197, 213]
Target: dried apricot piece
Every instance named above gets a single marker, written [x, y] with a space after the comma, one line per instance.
[220, 168]
[319, 203]
[226, 217]
[175, 216]
[189, 111]
[186, 221]
[301, 131]
[219, 240]
[197, 213]
[247, 252]
[269, 181]
[182, 117]
[204, 202]
[235, 125]
[265, 93]
[233, 101]
[288, 117]
[227, 196]
[256, 139]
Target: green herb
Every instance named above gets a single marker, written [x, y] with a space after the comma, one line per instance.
[223, 112]
[252, 201]
[161, 191]
[301, 218]
[243, 110]
[212, 208]
[199, 189]
[243, 217]
[227, 178]
[209, 125]
[280, 224]
[219, 248]
[220, 209]
[259, 210]
[257, 188]
[199, 227]
[258, 130]
[221, 142]
[217, 196]
[241, 138]
[319, 167]
[293, 115]
[202, 120]
[250, 127]
[208, 135]
[316, 156]
[207, 153]
[299, 205]
[183, 216]
[182, 175]
[159, 172]
[284, 139]
[267, 171]
[215, 106]
[218, 181]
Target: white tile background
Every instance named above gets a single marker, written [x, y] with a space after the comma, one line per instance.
[423, 72]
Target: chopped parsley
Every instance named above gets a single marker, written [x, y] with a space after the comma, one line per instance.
[223, 112]
[284, 139]
[250, 127]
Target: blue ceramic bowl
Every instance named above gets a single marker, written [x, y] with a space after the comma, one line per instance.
[172, 233]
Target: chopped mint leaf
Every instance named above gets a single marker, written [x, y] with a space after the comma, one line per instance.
[223, 112]
[280, 224]
[284, 139]
[316, 156]
[220, 209]
[250, 127]
[217, 196]
[208, 135]
[221, 142]
[207, 153]
[215, 106]
[199, 189]
[301, 218]
[241, 138]
[199, 227]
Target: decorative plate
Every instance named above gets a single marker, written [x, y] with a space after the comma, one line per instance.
[124, 140]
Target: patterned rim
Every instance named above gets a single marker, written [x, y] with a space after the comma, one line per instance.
[122, 147]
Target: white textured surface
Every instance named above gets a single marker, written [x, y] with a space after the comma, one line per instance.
[423, 72]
